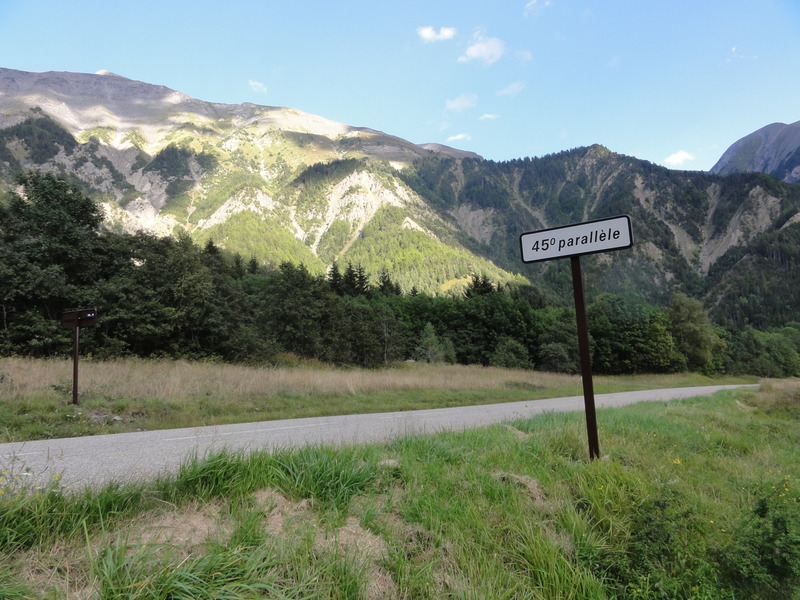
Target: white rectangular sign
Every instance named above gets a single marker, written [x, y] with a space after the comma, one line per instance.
[573, 240]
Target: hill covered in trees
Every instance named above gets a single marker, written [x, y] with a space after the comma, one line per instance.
[280, 196]
[278, 185]
[163, 296]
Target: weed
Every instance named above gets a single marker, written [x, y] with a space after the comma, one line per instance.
[764, 556]
[328, 477]
[11, 586]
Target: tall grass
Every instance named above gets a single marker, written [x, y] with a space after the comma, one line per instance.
[511, 511]
[129, 395]
[179, 380]
[696, 498]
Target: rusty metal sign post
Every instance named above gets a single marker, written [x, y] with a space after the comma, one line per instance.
[75, 320]
[573, 241]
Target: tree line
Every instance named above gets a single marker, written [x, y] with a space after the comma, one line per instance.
[169, 297]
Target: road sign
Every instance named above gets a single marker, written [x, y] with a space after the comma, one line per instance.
[575, 240]
[75, 320]
[79, 318]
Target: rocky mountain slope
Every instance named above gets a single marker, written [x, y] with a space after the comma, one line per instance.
[281, 185]
[774, 149]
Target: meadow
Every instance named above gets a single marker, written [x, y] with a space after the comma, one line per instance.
[133, 394]
[695, 498]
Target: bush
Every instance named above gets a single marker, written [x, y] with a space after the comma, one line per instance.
[511, 354]
[764, 556]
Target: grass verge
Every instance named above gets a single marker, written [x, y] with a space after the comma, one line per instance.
[133, 395]
[695, 498]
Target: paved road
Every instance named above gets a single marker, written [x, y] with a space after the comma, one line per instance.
[98, 460]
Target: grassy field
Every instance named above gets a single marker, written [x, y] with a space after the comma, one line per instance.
[693, 499]
[132, 395]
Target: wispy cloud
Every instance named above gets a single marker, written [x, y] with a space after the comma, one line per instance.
[679, 158]
[459, 137]
[524, 55]
[486, 49]
[737, 53]
[429, 34]
[257, 87]
[462, 102]
[512, 89]
[489, 117]
[533, 7]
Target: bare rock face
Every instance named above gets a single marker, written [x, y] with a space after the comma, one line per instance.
[83, 100]
[285, 183]
[774, 149]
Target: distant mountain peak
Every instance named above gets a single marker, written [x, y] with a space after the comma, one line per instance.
[773, 149]
[449, 151]
[280, 185]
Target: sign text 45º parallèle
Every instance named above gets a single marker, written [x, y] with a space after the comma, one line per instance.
[574, 240]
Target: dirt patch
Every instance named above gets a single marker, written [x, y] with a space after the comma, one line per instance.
[188, 528]
[280, 514]
[60, 567]
[531, 484]
[518, 433]
[282, 517]
[369, 550]
[352, 537]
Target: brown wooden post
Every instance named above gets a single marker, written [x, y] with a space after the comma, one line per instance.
[586, 359]
[574, 241]
[75, 320]
[75, 357]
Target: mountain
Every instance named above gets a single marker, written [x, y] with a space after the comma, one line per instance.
[279, 185]
[774, 149]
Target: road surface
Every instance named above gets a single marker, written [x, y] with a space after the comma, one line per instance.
[96, 461]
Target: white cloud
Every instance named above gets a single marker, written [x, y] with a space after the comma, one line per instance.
[512, 89]
[678, 159]
[429, 34]
[462, 102]
[488, 50]
[459, 137]
[524, 55]
[257, 86]
[535, 6]
[489, 117]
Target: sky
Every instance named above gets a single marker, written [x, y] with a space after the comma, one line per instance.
[673, 82]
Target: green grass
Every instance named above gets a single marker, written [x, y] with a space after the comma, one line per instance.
[131, 395]
[696, 498]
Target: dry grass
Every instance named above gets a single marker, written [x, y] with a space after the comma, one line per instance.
[132, 395]
[779, 395]
[177, 380]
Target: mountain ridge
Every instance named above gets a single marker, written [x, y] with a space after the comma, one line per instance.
[278, 184]
[774, 149]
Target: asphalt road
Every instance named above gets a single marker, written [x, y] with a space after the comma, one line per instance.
[95, 461]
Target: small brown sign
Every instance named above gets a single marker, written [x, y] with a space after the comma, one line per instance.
[79, 318]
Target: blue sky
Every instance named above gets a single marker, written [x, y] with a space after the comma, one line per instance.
[673, 82]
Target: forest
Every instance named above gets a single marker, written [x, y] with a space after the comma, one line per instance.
[170, 297]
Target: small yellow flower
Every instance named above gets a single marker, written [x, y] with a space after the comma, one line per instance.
[677, 461]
